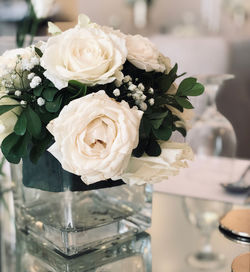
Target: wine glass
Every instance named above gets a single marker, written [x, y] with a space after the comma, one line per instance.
[205, 215]
[212, 134]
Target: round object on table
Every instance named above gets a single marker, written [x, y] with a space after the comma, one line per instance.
[235, 225]
[241, 263]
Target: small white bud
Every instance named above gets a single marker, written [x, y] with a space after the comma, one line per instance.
[126, 79]
[23, 103]
[143, 106]
[40, 101]
[143, 97]
[116, 92]
[118, 83]
[132, 87]
[129, 94]
[141, 87]
[151, 101]
[30, 76]
[35, 82]
[151, 90]
[18, 93]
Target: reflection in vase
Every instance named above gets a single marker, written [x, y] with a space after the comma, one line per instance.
[131, 254]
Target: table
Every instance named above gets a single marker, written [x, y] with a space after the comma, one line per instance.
[172, 239]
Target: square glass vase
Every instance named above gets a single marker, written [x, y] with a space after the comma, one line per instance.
[73, 223]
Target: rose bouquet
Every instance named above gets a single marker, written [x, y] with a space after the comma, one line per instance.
[103, 103]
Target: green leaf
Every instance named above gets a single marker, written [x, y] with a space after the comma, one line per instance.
[38, 90]
[156, 123]
[173, 72]
[20, 149]
[21, 124]
[164, 82]
[158, 115]
[145, 127]
[76, 83]
[140, 149]
[7, 145]
[182, 101]
[49, 94]
[34, 124]
[38, 149]
[157, 118]
[196, 90]
[186, 85]
[182, 131]
[55, 105]
[163, 133]
[153, 149]
[6, 108]
[39, 52]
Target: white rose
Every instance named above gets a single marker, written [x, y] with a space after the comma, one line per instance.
[43, 8]
[86, 54]
[9, 66]
[8, 119]
[95, 136]
[8, 61]
[144, 55]
[156, 169]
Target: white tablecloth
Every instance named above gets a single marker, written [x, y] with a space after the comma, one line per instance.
[203, 177]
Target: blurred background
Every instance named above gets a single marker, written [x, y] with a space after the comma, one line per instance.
[205, 37]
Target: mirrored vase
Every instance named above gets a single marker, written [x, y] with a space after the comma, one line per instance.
[131, 254]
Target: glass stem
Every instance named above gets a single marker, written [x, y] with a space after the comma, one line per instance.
[206, 247]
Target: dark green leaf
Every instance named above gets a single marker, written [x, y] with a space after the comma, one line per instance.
[182, 101]
[140, 149]
[164, 83]
[186, 85]
[7, 145]
[153, 148]
[38, 90]
[158, 115]
[55, 105]
[182, 131]
[34, 124]
[173, 72]
[6, 108]
[21, 124]
[38, 149]
[145, 127]
[20, 149]
[49, 94]
[9, 142]
[76, 83]
[39, 52]
[163, 133]
[156, 123]
[196, 90]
